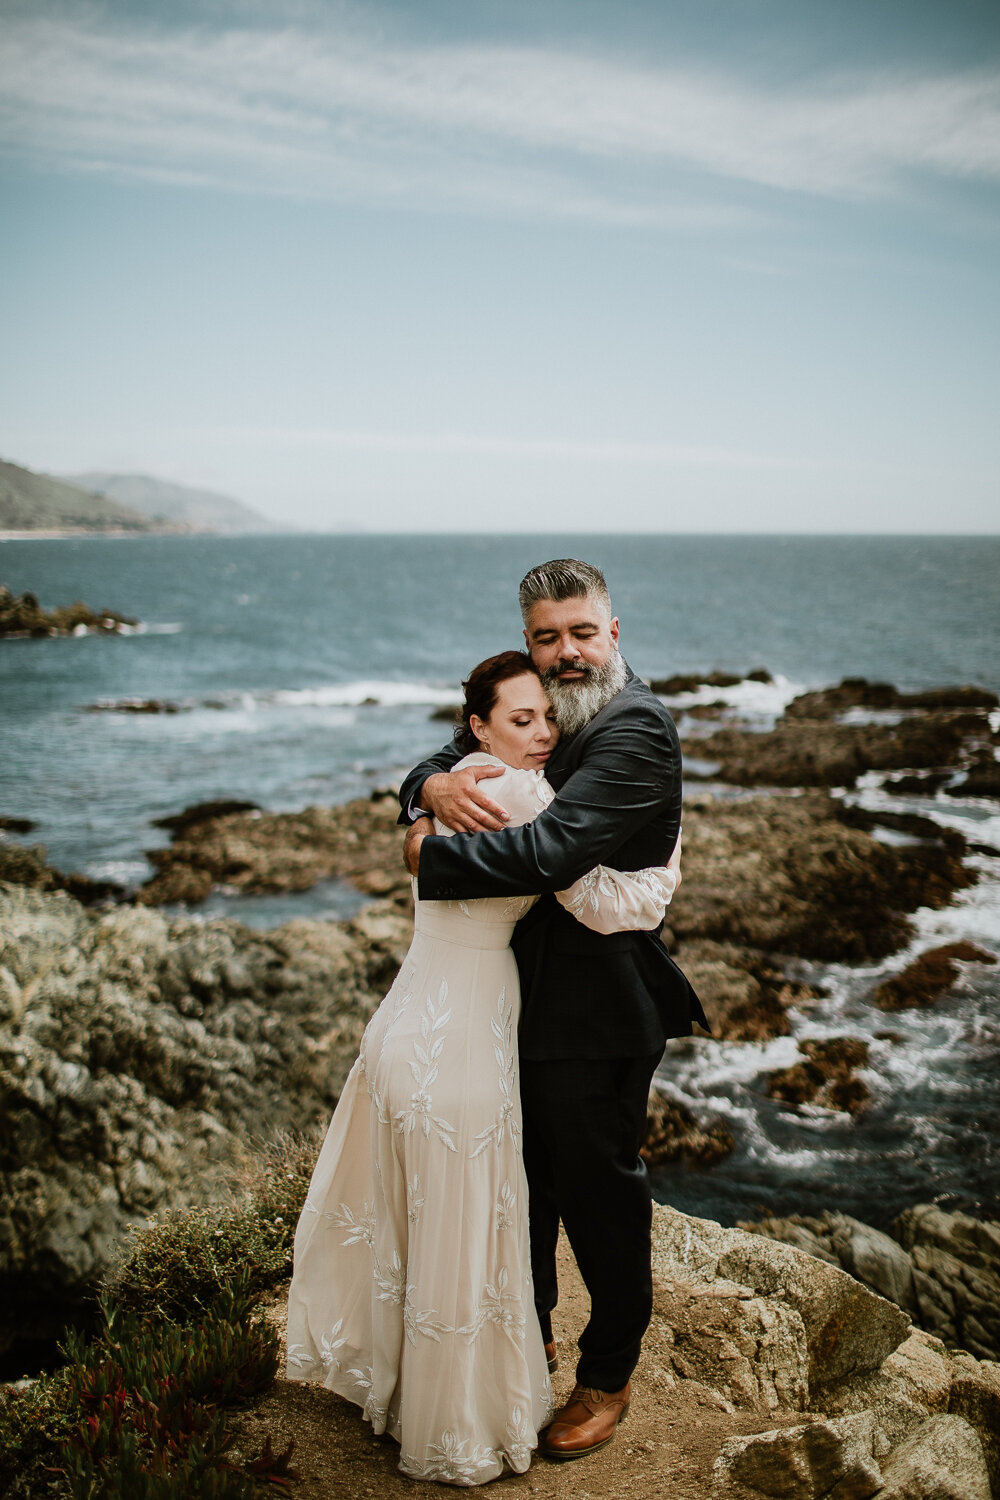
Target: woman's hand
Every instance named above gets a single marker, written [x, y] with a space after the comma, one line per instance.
[455, 799]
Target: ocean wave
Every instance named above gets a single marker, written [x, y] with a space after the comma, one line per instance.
[367, 691]
[765, 701]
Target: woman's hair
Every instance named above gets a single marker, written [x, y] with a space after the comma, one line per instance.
[481, 691]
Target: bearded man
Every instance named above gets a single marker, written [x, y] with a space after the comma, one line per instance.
[596, 1008]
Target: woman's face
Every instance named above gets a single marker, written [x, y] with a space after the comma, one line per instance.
[521, 728]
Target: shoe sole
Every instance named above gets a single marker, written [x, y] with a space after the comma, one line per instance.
[561, 1455]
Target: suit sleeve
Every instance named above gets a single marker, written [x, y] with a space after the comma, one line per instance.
[443, 760]
[629, 770]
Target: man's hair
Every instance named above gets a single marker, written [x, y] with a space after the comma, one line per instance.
[563, 578]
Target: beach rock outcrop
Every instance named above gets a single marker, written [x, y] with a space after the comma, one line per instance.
[673, 1134]
[975, 1395]
[866, 1253]
[826, 1076]
[858, 692]
[831, 1458]
[849, 1330]
[800, 752]
[942, 1460]
[22, 615]
[29, 867]
[139, 1055]
[249, 850]
[956, 1276]
[928, 977]
[783, 874]
[942, 1268]
[751, 1350]
[690, 682]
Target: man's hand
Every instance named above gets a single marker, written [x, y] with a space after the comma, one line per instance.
[674, 862]
[415, 835]
[454, 797]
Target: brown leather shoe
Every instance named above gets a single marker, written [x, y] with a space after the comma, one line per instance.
[551, 1357]
[587, 1422]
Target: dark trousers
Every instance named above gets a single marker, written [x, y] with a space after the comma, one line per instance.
[584, 1121]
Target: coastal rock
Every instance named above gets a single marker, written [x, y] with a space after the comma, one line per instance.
[134, 706]
[254, 851]
[866, 1253]
[858, 692]
[784, 874]
[849, 1330]
[22, 615]
[826, 1460]
[802, 752]
[942, 1460]
[748, 996]
[138, 1056]
[944, 1269]
[690, 682]
[956, 1276]
[975, 1395]
[928, 977]
[751, 1350]
[673, 1134]
[28, 867]
[982, 779]
[913, 1384]
[826, 1077]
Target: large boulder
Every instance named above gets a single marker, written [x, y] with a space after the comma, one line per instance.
[975, 1395]
[849, 1329]
[870, 1256]
[956, 1276]
[825, 1460]
[942, 1460]
[749, 1350]
[914, 1383]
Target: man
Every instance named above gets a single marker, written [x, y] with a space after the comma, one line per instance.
[596, 1009]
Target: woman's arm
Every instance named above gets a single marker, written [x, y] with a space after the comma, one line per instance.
[607, 900]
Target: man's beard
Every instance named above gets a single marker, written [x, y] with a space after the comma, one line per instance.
[577, 700]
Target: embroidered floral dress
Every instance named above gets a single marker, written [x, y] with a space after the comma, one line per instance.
[412, 1292]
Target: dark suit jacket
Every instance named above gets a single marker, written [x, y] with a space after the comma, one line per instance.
[584, 994]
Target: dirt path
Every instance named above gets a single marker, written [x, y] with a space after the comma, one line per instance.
[664, 1448]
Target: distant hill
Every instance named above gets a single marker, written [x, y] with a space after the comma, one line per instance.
[179, 504]
[37, 502]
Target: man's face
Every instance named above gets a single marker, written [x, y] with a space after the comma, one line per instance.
[570, 635]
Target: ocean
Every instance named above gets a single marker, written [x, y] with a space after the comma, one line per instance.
[304, 669]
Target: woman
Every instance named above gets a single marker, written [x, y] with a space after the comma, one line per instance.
[412, 1291]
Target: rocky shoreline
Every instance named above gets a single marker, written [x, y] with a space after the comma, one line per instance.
[22, 616]
[139, 1053]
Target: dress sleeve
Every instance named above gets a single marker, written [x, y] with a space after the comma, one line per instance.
[607, 900]
[522, 794]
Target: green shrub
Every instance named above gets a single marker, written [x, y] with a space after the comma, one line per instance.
[138, 1412]
[179, 1265]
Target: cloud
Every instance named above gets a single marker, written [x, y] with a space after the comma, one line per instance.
[319, 108]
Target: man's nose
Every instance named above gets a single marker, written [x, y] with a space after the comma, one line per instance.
[569, 649]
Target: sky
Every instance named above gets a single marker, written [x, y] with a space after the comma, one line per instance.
[511, 265]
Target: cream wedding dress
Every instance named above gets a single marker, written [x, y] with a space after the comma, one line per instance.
[412, 1292]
